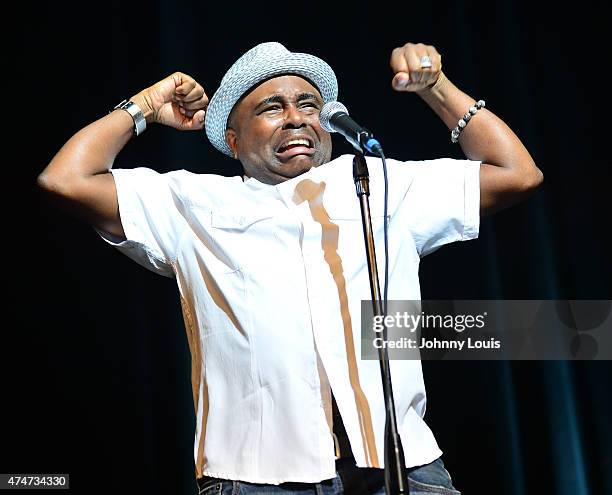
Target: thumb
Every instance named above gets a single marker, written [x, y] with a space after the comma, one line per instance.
[400, 81]
[196, 122]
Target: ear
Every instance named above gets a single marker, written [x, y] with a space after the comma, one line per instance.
[231, 138]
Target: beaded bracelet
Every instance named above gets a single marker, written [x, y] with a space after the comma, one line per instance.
[465, 119]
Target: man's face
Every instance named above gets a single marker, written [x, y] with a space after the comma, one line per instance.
[274, 130]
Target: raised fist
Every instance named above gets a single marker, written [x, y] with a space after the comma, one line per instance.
[177, 101]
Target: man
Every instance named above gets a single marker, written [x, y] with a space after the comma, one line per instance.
[270, 267]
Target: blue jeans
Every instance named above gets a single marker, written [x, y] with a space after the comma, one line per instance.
[429, 479]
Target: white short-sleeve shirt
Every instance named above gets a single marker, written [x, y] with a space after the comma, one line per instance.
[271, 280]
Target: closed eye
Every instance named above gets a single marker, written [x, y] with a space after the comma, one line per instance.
[272, 108]
[310, 106]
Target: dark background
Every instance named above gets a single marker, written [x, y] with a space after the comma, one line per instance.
[95, 365]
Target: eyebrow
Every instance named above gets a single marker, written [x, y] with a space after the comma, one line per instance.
[280, 99]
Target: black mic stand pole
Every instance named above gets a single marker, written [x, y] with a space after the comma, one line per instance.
[396, 482]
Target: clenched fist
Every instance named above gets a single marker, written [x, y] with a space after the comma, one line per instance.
[177, 101]
[408, 71]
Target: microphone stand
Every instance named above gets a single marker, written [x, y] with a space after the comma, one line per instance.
[396, 482]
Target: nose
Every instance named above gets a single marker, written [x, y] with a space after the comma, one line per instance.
[294, 119]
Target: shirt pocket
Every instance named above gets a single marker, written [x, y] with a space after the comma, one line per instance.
[351, 219]
[240, 239]
[351, 210]
[219, 239]
[233, 222]
[351, 239]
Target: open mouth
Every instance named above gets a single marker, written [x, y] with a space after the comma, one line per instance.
[295, 146]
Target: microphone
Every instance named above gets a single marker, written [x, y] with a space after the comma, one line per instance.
[334, 117]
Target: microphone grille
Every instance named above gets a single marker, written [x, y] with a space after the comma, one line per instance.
[329, 109]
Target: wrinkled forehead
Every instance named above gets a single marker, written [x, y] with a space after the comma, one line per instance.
[286, 84]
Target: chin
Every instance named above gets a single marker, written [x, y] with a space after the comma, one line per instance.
[282, 171]
[302, 168]
[297, 166]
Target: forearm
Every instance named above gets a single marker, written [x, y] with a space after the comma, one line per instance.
[91, 151]
[486, 137]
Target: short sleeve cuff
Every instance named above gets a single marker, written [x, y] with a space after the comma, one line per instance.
[471, 215]
[135, 244]
[127, 212]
